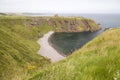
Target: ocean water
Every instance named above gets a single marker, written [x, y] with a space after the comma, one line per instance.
[66, 43]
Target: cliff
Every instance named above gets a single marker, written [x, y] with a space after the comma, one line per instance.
[60, 24]
[73, 24]
[65, 24]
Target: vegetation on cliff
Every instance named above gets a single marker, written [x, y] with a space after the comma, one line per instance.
[60, 24]
[97, 60]
[18, 46]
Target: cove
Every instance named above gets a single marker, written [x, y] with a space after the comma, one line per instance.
[66, 43]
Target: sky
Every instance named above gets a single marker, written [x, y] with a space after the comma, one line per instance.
[60, 6]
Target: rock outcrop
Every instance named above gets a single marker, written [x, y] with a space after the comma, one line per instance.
[73, 24]
[60, 24]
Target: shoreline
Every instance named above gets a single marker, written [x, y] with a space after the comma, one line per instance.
[47, 50]
[52, 45]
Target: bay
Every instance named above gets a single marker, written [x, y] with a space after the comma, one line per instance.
[66, 43]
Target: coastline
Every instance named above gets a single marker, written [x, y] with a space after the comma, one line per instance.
[47, 50]
[52, 45]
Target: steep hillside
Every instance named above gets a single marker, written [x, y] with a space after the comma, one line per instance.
[18, 49]
[97, 60]
[18, 46]
[17, 54]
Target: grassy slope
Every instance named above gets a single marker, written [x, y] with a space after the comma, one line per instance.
[18, 48]
[97, 60]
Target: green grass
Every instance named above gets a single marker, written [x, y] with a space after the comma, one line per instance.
[18, 49]
[97, 60]
[12, 17]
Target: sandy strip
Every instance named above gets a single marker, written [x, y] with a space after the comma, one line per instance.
[47, 50]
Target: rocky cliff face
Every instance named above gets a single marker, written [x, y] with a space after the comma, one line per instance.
[60, 24]
[74, 24]
[70, 24]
